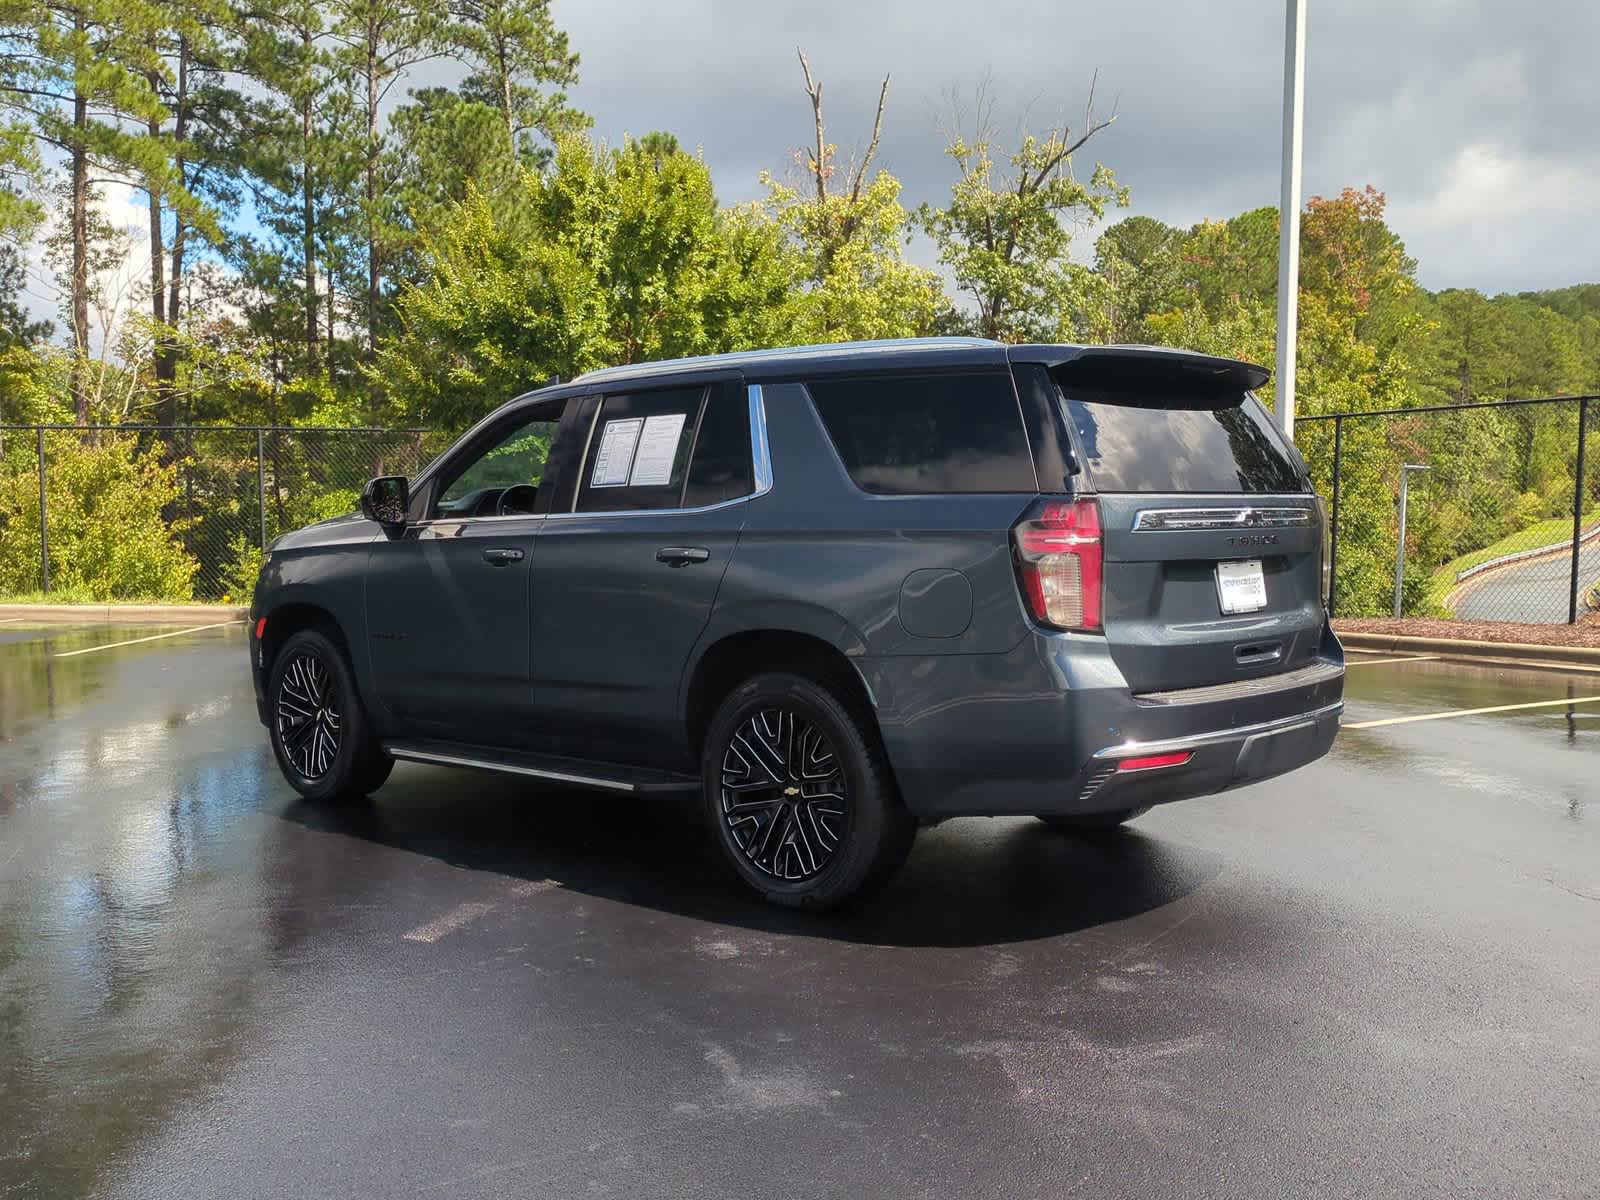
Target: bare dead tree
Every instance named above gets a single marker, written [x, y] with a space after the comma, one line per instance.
[840, 226]
[996, 219]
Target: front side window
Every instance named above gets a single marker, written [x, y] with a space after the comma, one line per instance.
[505, 478]
[928, 434]
[639, 450]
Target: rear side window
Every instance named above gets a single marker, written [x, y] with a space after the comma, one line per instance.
[922, 434]
[720, 468]
[638, 453]
[1136, 441]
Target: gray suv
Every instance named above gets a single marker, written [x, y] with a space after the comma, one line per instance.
[840, 591]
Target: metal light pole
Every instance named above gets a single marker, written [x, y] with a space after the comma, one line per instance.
[1294, 82]
[1400, 545]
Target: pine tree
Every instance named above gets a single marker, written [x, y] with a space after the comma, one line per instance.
[78, 73]
[512, 48]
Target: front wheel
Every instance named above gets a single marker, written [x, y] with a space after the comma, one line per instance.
[799, 793]
[320, 733]
[1097, 822]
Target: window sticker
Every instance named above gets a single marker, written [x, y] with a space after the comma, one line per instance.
[615, 456]
[652, 466]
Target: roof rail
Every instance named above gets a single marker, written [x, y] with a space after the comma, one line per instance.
[799, 353]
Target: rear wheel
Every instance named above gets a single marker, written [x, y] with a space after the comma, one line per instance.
[799, 794]
[1098, 822]
[320, 733]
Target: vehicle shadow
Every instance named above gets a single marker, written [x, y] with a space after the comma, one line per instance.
[967, 882]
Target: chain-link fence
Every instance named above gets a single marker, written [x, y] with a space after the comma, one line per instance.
[174, 513]
[1480, 512]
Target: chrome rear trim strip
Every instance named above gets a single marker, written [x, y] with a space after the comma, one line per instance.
[1161, 520]
[1197, 740]
[484, 764]
[1317, 672]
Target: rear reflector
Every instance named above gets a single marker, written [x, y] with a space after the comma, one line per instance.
[1150, 761]
[261, 628]
[1059, 558]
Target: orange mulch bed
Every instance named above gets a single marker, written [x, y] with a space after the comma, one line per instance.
[1585, 633]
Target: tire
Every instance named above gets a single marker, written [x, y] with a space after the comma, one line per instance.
[822, 822]
[1097, 822]
[331, 753]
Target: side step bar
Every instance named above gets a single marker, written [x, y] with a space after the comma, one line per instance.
[575, 772]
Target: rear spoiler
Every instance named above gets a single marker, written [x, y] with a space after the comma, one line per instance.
[1126, 368]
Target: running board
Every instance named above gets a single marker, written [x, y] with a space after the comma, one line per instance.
[575, 772]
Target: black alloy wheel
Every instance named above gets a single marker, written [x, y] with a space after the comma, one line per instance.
[309, 723]
[321, 736]
[799, 793]
[784, 795]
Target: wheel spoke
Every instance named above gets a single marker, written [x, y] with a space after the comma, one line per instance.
[308, 721]
[784, 797]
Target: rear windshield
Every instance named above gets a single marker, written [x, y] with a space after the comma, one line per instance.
[922, 434]
[1150, 442]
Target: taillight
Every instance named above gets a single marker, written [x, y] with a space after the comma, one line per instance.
[1327, 552]
[1059, 557]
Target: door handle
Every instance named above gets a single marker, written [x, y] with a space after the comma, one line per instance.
[501, 557]
[682, 556]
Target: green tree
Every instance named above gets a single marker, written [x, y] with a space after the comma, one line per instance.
[1139, 260]
[200, 175]
[444, 147]
[379, 41]
[621, 255]
[513, 52]
[292, 167]
[1006, 233]
[108, 540]
[844, 239]
[78, 74]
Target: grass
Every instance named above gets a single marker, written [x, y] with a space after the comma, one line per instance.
[72, 596]
[1543, 533]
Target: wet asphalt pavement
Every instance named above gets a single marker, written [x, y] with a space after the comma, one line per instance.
[1377, 977]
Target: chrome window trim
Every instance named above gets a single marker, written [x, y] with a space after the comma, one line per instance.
[1246, 516]
[474, 520]
[760, 450]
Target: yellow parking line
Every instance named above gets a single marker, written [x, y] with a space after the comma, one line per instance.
[1472, 712]
[1371, 662]
[155, 637]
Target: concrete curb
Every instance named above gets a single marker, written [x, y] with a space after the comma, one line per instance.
[126, 614]
[1520, 654]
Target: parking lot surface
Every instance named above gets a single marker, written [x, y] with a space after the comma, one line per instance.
[1379, 976]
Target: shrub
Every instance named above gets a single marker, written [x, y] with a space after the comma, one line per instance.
[109, 539]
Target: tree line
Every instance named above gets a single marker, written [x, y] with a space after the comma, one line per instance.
[331, 243]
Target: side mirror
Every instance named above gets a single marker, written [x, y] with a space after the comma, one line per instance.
[386, 500]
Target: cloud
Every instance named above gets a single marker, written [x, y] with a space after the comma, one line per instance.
[1413, 97]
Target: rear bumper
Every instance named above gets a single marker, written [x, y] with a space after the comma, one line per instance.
[1219, 760]
[1040, 730]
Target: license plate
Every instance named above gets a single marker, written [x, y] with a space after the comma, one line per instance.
[1241, 586]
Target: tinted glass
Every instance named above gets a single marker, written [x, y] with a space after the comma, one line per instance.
[720, 468]
[517, 456]
[1139, 442]
[924, 434]
[639, 451]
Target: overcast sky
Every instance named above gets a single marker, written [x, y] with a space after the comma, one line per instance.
[1479, 118]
